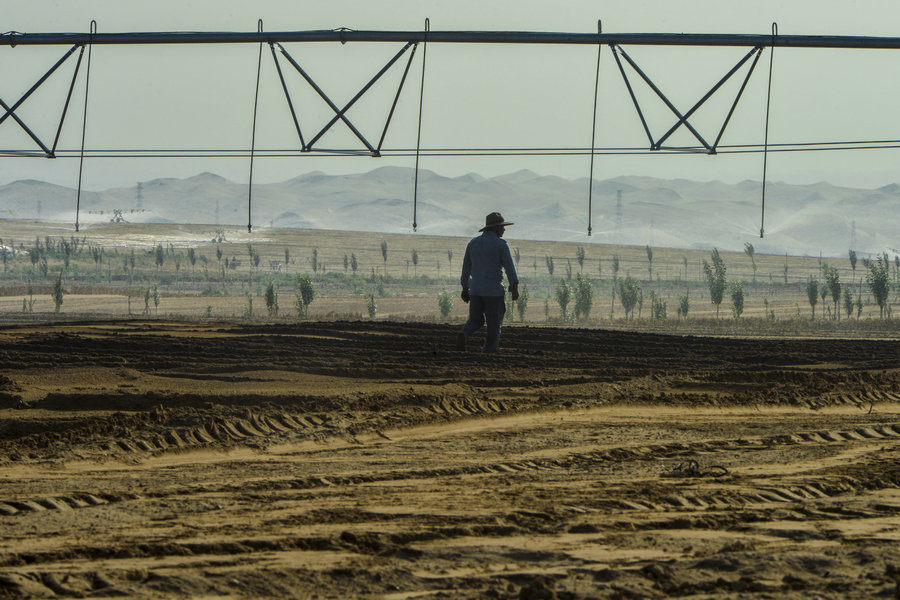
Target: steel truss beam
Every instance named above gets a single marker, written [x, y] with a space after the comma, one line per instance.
[340, 113]
[412, 39]
[345, 35]
[683, 118]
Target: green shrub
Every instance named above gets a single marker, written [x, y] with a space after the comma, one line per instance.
[737, 298]
[812, 293]
[878, 279]
[584, 296]
[629, 291]
[715, 278]
[305, 294]
[684, 305]
[57, 293]
[658, 308]
[848, 302]
[522, 303]
[271, 300]
[445, 303]
[563, 296]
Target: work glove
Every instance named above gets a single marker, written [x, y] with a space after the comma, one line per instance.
[465, 295]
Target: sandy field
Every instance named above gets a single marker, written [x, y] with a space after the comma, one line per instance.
[166, 459]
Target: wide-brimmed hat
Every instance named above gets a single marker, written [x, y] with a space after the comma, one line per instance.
[494, 219]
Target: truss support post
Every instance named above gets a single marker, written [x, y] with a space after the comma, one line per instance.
[415, 223]
[637, 107]
[287, 95]
[253, 135]
[396, 98]
[762, 218]
[87, 85]
[66, 105]
[738, 97]
[594, 130]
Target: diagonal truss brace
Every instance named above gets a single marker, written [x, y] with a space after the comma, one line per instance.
[340, 113]
[10, 111]
[683, 119]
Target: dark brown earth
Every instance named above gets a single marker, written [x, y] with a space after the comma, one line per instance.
[359, 459]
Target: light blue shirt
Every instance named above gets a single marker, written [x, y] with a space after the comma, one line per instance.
[487, 256]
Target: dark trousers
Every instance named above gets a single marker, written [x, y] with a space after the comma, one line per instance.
[490, 310]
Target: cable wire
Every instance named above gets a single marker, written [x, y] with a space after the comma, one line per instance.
[839, 146]
[253, 135]
[419, 127]
[762, 218]
[87, 85]
[594, 131]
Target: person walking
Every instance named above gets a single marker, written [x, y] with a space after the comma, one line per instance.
[487, 256]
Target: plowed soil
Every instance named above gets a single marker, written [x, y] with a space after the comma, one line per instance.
[360, 459]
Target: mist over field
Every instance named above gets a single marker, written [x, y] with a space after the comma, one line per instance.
[630, 210]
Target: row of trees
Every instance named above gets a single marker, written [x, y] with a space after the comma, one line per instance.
[629, 290]
[877, 279]
[574, 294]
[162, 255]
[304, 294]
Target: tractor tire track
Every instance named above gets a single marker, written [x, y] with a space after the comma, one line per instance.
[240, 429]
[155, 459]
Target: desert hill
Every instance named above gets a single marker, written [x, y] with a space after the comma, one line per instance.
[800, 219]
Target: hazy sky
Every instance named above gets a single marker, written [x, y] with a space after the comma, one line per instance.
[201, 96]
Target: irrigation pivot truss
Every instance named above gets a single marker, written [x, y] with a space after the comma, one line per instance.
[286, 65]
